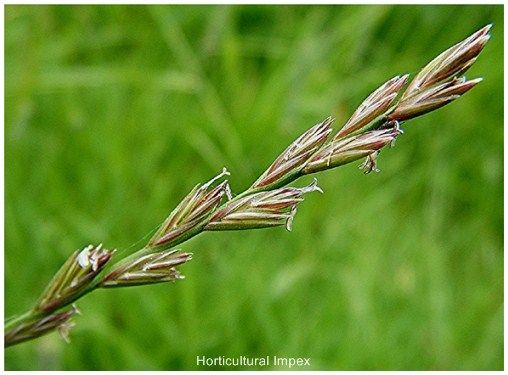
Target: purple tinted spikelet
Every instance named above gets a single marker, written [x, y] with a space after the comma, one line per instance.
[291, 161]
[374, 106]
[192, 213]
[453, 62]
[432, 99]
[349, 149]
[75, 275]
[40, 326]
[148, 269]
[261, 210]
[438, 83]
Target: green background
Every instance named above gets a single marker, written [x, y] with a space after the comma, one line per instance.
[113, 113]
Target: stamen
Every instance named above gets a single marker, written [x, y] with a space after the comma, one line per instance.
[289, 221]
[224, 172]
[311, 187]
[227, 190]
[83, 257]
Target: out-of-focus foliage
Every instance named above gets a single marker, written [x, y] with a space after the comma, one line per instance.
[112, 113]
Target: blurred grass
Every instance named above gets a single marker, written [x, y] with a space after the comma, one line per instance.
[114, 112]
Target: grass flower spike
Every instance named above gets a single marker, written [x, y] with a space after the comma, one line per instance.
[269, 202]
